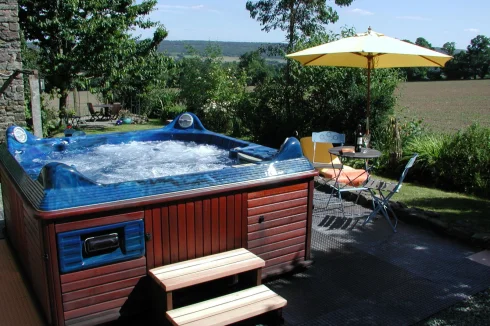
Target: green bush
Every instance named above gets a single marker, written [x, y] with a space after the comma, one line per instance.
[213, 91]
[430, 147]
[464, 162]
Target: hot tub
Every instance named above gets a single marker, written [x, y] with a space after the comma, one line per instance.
[87, 242]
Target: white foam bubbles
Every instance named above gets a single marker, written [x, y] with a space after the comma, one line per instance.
[143, 160]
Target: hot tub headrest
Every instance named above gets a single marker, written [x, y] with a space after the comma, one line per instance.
[290, 149]
[188, 121]
[56, 175]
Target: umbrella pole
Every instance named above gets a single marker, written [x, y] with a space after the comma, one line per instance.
[370, 62]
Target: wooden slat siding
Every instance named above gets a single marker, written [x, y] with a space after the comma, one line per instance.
[222, 223]
[36, 262]
[102, 270]
[174, 233]
[279, 214]
[269, 255]
[277, 230]
[277, 206]
[206, 221]
[98, 280]
[286, 258]
[278, 245]
[276, 222]
[157, 236]
[214, 225]
[182, 232]
[311, 187]
[191, 230]
[149, 244]
[198, 224]
[277, 198]
[165, 236]
[89, 223]
[275, 191]
[104, 288]
[276, 238]
[230, 222]
[238, 221]
[55, 274]
[95, 308]
[95, 299]
[245, 243]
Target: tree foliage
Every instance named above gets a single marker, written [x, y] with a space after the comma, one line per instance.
[295, 17]
[88, 38]
[479, 55]
[212, 90]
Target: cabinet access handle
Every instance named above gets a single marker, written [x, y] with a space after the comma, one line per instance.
[101, 242]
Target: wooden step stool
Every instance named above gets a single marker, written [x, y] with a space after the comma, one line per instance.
[222, 310]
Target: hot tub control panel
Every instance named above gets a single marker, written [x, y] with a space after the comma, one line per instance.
[101, 245]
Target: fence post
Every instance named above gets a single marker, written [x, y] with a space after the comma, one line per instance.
[36, 104]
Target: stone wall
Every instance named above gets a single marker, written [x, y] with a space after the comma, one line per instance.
[12, 95]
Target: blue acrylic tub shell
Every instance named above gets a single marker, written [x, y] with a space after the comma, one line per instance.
[71, 244]
[56, 186]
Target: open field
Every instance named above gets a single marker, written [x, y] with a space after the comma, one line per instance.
[445, 106]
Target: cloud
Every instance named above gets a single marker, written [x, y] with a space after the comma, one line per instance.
[361, 12]
[178, 8]
[419, 18]
[472, 30]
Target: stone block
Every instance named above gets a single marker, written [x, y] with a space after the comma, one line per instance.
[14, 27]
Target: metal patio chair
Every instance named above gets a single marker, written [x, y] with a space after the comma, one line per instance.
[340, 177]
[386, 190]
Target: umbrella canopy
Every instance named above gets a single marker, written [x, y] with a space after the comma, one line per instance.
[370, 50]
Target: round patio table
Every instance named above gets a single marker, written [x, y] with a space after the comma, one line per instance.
[365, 153]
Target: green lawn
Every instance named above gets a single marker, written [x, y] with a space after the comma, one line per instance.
[450, 205]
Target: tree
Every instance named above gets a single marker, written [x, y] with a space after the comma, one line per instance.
[418, 73]
[88, 38]
[420, 41]
[458, 67]
[255, 67]
[449, 48]
[479, 55]
[295, 17]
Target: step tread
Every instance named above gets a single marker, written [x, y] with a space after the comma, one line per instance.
[204, 269]
[229, 308]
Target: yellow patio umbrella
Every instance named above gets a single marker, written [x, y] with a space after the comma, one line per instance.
[370, 50]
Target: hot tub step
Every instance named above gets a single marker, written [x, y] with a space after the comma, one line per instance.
[229, 308]
[200, 270]
[196, 271]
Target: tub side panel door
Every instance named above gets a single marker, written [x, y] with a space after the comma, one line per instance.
[183, 230]
[277, 225]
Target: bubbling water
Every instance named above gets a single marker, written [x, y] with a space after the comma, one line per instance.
[143, 160]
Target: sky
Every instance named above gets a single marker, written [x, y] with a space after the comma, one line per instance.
[227, 20]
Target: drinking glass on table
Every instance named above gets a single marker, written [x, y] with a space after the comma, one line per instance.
[366, 139]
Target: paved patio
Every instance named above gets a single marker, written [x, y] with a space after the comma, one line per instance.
[372, 276]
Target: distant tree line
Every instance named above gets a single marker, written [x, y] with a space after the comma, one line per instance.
[228, 49]
[472, 63]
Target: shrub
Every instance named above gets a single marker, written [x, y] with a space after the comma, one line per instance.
[464, 163]
[429, 146]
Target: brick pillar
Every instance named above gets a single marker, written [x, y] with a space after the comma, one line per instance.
[12, 96]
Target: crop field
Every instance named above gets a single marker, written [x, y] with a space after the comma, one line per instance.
[445, 106]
